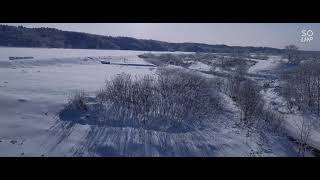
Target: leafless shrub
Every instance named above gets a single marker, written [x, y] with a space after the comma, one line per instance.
[233, 83]
[304, 126]
[76, 100]
[249, 100]
[292, 54]
[176, 98]
[188, 95]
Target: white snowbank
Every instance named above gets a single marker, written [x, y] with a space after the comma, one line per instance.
[199, 66]
[263, 65]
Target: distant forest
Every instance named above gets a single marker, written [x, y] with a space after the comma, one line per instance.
[20, 36]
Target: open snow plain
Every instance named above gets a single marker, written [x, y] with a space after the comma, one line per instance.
[33, 91]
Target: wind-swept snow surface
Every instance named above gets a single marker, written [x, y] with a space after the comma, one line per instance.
[34, 91]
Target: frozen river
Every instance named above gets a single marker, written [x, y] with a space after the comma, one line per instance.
[44, 53]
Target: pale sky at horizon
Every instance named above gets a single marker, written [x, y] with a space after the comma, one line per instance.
[275, 35]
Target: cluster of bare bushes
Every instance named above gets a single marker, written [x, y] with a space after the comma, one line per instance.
[246, 93]
[186, 59]
[231, 62]
[295, 56]
[176, 99]
[224, 61]
[76, 100]
[167, 59]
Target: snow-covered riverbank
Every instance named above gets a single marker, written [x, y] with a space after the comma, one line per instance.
[268, 70]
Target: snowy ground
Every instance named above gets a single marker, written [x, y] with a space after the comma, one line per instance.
[32, 92]
[199, 66]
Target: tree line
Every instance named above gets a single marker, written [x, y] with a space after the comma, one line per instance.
[53, 38]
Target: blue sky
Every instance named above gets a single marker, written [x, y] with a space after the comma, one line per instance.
[237, 34]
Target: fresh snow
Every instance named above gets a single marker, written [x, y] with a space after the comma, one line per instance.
[264, 65]
[33, 91]
[199, 66]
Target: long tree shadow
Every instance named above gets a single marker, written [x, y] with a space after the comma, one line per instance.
[96, 115]
[109, 141]
[61, 130]
[119, 142]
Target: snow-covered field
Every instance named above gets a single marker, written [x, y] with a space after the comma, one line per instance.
[33, 91]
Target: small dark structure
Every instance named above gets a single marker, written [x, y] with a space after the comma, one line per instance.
[15, 58]
[105, 62]
[126, 64]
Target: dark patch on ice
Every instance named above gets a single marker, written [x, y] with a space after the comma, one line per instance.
[13, 141]
[22, 100]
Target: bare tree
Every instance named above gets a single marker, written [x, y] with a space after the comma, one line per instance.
[236, 78]
[249, 100]
[292, 54]
[241, 70]
[76, 100]
[304, 130]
